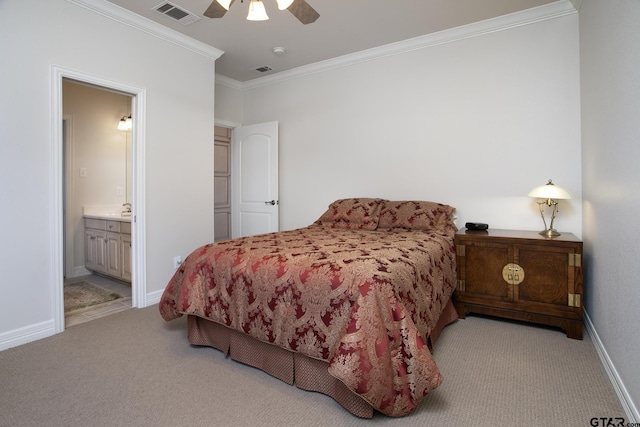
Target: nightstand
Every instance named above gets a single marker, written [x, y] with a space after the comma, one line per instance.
[521, 275]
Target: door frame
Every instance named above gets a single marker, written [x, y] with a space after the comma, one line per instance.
[138, 229]
[67, 195]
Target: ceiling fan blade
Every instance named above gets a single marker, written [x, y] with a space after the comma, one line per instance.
[215, 10]
[305, 13]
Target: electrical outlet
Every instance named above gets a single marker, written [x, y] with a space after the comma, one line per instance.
[177, 260]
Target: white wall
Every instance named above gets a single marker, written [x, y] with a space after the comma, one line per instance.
[476, 123]
[179, 145]
[228, 102]
[610, 60]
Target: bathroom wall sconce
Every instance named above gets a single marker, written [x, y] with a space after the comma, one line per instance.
[125, 123]
[549, 194]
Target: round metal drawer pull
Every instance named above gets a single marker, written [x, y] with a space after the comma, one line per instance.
[512, 273]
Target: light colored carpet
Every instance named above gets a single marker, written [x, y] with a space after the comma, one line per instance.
[81, 295]
[133, 369]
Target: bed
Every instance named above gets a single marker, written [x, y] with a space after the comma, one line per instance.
[348, 306]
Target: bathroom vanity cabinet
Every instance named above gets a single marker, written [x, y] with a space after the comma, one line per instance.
[108, 247]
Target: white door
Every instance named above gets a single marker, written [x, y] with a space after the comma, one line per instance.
[255, 179]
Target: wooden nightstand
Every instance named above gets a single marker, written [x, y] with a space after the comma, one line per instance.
[521, 275]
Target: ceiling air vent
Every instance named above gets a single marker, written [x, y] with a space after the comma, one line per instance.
[263, 69]
[179, 14]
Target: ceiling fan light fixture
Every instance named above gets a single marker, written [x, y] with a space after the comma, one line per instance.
[283, 4]
[225, 3]
[257, 11]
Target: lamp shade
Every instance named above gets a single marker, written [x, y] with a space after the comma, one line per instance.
[283, 4]
[225, 3]
[257, 11]
[549, 191]
[124, 123]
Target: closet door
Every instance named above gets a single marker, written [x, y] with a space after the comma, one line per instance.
[255, 179]
[222, 184]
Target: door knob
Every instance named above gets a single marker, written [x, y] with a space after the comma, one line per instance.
[270, 202]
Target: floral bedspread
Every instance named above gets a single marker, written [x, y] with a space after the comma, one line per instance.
[363, 300]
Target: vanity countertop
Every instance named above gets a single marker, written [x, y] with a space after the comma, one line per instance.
[107, 212]
[110, 217]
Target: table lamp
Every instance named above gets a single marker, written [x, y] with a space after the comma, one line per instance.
[549, 194]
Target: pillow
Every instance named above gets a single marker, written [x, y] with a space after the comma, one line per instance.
[416, 215]
[357, 213]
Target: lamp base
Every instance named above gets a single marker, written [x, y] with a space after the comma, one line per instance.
[549, 233]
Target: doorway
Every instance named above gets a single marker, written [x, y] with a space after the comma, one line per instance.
[97, 189]
[245, 180]
[58, 185]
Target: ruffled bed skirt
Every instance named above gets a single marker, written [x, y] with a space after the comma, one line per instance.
[293, 368]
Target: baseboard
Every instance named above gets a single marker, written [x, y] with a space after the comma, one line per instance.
[630, 409]
[78, 271]
[27, 334]
[153, 297]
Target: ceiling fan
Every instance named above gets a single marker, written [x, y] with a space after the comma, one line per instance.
[299, 8]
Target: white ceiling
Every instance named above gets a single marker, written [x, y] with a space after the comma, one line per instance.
[344, 27]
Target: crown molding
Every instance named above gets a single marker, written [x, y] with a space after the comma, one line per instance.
[577, 4]
[141, 23]
[501, 23]
[228, 82]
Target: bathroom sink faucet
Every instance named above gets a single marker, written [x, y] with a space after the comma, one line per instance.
[127, 207]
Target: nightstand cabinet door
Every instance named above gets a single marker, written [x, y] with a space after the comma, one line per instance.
[481, 271]
[548, 281]
[521, 275]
